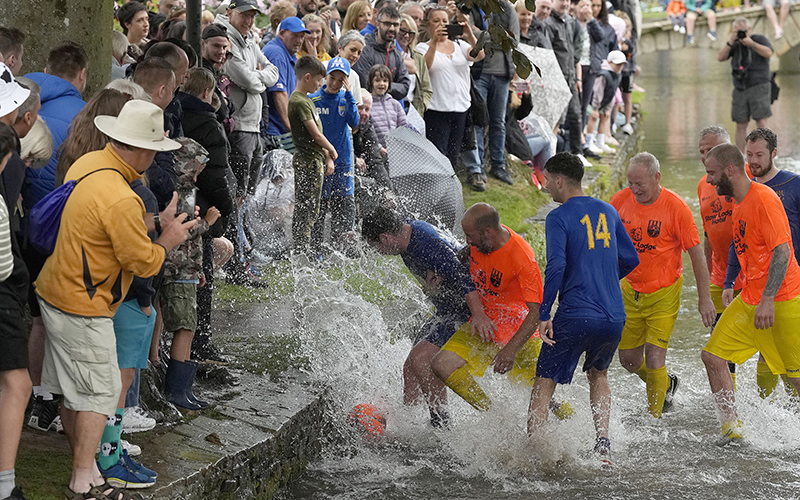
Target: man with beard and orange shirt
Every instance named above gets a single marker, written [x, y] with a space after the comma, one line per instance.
[660, 224]
[761, 147]
[764, 316]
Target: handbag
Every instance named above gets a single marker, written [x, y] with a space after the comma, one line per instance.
[46, 215]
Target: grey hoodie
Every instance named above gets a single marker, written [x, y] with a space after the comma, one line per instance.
[248, 81]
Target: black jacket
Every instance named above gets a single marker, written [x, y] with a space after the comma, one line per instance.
[200, 123]
[367, 147]
[376, 53]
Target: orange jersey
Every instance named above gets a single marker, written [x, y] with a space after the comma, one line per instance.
[507, 279]
[760, 225]
[659, 232]
[715, 212]
[675, 8]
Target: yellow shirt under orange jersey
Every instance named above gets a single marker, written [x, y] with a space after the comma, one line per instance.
[507, 279]
[715, 212]
[659, 232]
[760, 225]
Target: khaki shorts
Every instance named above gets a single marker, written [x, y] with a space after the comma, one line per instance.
[736, 339]
[80, 360]
[650, 317]
[479, 354]
[179, 306]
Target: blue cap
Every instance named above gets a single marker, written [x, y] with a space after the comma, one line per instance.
[293, 24]
[339, 64]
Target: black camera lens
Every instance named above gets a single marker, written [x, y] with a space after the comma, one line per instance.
[741, 34]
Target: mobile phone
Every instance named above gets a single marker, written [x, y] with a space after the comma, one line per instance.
[191, 200]
[454, 30]
[521, 86]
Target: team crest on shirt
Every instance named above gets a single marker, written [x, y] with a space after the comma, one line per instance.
[636, 234]
[496, 278]
[716, 205]
[742, 225]
[341, 110]
[653, 228]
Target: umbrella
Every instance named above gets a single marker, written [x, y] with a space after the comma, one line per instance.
[550, 92]
[424, 179]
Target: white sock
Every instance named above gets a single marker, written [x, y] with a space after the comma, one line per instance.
[6, 483]
[589, 140]
[601, 140]
[46, 395]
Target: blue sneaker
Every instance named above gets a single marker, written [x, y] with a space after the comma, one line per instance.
[135, 466]
[123, 477]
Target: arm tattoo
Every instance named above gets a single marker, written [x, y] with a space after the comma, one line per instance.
[777, 270]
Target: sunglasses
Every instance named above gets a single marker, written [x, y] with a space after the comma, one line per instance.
[405, 32]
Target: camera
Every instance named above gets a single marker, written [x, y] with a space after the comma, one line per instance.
[454, 30]
[741, 34]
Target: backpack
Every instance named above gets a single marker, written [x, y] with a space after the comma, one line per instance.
[46, 215]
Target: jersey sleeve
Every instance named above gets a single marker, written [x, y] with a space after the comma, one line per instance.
[684, 220]
[556, 263]
[530, 278]
[443, 261]
[774, 225]
[626, 253]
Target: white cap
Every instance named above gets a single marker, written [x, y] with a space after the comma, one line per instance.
[616, 57]
[12, 94]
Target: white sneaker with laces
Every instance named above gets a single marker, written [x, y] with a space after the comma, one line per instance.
[605, 148]
[594, 149]
[586, 163]
[136, 420]
[627, 128]
[132, 449]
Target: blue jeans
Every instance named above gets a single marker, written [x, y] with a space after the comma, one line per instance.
[494, 90]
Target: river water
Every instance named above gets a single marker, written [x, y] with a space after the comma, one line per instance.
[358, 349]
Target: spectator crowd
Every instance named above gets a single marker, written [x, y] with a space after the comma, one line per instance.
[156, 172]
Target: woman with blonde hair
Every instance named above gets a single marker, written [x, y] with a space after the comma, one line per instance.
[420, 91]
[358, 16]
[37, 146]
[83, 136]
[318, 42]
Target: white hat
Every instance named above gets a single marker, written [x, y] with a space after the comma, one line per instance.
[140, 124]
[12, 94]
[616, 57]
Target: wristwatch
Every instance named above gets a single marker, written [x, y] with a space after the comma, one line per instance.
[157, 221]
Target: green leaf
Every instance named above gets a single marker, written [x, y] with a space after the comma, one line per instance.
[530, 5]
[523, 64]
[479, 45]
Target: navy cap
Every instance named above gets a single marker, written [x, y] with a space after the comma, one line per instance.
[339, 64]
[243, 5]
[293, 24]
[214, 30]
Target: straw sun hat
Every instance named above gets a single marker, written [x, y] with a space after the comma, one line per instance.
[140, 124]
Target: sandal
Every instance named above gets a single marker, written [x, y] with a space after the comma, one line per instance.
[107, 492]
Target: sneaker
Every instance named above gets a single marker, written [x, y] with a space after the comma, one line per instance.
[132, 449]
[590, 154]
[136, 420]
[502, 175]
[731, 433]
[586, 163]
[602, 446]
[594, 149]
[606, 149]
[563, 410]
[16, 494]
[670, 395]
[712, 35]
[121, 476]
[44, 415]
[135, 466]
[675, 27]
[682, 31]
[476, 183]
[627, 129]
[690, 39]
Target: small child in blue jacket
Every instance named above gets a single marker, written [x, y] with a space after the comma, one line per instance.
[338, 113]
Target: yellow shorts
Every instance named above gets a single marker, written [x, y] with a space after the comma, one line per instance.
[479, 355]
[736, 338]
[716, 297]
[649, 316]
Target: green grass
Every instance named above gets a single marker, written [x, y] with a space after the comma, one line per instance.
[42, 473]
[269, 354]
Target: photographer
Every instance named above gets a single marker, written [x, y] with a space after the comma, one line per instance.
[752, 90]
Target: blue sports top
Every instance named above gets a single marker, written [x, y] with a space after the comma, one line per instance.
[588, 252]
[430, 250]
[339, 115]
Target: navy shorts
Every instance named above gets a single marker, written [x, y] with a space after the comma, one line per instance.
[597, 338]
[441, 326]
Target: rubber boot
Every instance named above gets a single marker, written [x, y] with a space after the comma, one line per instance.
[190, 389]
[177, 382]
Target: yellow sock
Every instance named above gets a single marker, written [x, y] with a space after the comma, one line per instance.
[642, 372]
[657, 385]
[790, 389]
[766, 380]
[465, 386]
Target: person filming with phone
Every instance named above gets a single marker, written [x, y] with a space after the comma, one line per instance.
[752, 88]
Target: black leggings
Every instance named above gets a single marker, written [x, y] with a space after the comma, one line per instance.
[446, 131]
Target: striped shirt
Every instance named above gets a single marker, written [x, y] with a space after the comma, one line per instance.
[6, 255]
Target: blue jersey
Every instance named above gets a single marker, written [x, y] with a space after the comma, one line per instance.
[787, 186]
[588, 252]
[277, 54]
[338, 114]
[430, 250]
